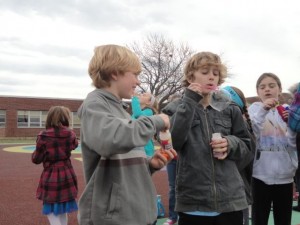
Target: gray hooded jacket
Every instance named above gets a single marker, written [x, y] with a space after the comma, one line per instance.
[119, 188]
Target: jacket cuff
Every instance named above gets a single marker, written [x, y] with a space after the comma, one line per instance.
[158, 122]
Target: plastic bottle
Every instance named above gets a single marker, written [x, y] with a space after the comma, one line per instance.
[217, 136]
[281, 110]
[160, 207]
[165, 141]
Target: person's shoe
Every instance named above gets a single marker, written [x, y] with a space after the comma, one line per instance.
[296, 208]
[169, 222]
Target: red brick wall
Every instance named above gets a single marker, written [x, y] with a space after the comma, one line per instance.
[13, 104]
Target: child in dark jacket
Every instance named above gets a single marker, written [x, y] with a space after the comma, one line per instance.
[209, 187]
[58, 183]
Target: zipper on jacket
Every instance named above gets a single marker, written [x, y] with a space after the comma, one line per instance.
[212, 161]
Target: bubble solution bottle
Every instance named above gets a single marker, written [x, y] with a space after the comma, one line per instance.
[165, 141]
[160, 207]
[217, 136]
[281, 110]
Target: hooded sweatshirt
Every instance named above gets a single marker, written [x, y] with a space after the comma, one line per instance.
[119, 188]
[276, 157]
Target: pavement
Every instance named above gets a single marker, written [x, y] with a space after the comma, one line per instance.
[19, 178]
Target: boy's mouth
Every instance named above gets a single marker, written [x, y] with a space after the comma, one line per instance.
[211, 86]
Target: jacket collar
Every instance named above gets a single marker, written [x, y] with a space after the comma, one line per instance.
[112, 97]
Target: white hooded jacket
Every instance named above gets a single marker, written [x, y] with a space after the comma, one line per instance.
[276, 156]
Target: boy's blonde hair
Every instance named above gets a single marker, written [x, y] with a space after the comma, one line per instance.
[58, 116]
[111, 59]
[200, 60]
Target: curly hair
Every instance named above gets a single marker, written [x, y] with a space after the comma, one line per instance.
[200, 60]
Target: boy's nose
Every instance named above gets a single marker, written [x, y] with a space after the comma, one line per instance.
[211, 75]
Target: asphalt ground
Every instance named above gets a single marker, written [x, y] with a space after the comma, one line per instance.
[19, 178]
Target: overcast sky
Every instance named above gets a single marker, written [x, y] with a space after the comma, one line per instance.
[45, 46]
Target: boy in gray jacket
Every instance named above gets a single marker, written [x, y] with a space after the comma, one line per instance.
[119, 188]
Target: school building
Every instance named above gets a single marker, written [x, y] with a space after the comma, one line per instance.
[22, 117]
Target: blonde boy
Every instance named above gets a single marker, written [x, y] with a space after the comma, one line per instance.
[119, 189]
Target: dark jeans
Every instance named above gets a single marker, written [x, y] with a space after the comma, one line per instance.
[231, 218]
[171, 169]
[281, 195]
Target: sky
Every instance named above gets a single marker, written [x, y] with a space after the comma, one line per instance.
[46, 46]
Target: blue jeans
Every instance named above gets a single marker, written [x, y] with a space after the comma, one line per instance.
[171, 169]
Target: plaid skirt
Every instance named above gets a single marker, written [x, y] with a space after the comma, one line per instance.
[58, 183]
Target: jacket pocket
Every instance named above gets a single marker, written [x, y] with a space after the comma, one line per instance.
[223, 126]
[113, 201]
[278, 165]
[195, 123]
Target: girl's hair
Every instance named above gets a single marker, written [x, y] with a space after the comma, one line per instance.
[154, 106]
[58, 116]
[272, 75]
[245, 108]
[111, 59]
[200, 60]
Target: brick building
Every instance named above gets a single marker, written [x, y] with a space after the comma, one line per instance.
[25, 116]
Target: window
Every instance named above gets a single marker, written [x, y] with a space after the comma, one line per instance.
[44, 117]
[32, 119]
[2, 118]
[36, 119]
[23, 118]
[75, 120]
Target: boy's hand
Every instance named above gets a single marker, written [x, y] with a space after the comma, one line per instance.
[196, 87]
[220, 148]
[166, 120]
[158, 161]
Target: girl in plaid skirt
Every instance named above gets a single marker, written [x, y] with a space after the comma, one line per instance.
[58, 183]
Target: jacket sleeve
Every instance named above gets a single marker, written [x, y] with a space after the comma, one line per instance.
[182, 114]
[241, 144]
[38, 155]
[108, 134]
[294, 112]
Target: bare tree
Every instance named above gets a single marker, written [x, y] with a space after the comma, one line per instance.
[162, 64]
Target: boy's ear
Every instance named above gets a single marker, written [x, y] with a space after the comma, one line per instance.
[114, 76]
